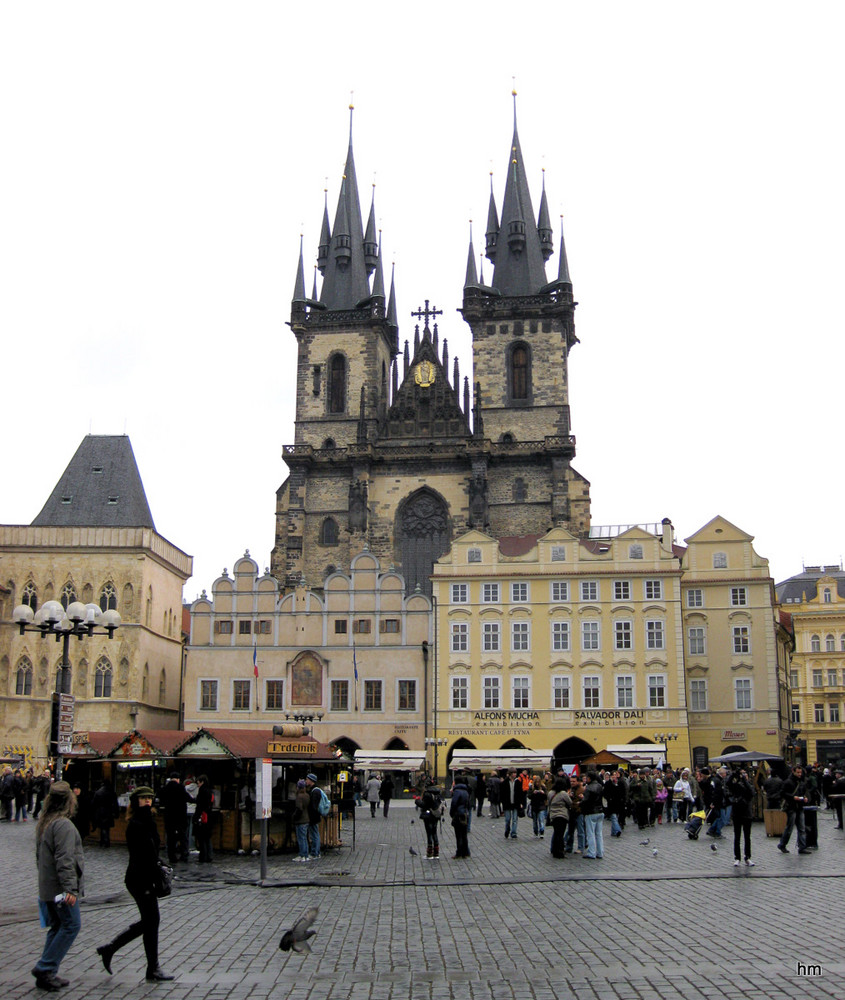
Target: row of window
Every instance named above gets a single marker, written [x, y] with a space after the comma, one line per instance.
[833, 714]
[520, 636]
[67, 596]
[591, 693]
[264, 626]
[829, 643]
[559, 591]
[341, 694]
[103, 678]
[590, 591]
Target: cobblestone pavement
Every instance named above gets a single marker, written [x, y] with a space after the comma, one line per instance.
[511, 923]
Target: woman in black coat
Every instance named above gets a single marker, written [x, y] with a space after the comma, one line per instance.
[142, 878]
[740, 795]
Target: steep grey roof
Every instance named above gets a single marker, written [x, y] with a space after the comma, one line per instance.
[345, 274]
[804, 586]
[518, 259]
[101, 487]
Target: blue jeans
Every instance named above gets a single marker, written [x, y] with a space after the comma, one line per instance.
[65, 922]
[539, 822]
[314, 838]
[302, 839]
[571, 829]
[721, 820]
[615, 826]
[595, 835]
[511, 819]
[795, 818]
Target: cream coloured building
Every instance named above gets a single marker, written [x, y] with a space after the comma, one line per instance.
[561, 643]
[815, 601]
[737, 651]
[94, 541]
[258, 656]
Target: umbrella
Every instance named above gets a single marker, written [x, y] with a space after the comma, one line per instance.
[744, 756]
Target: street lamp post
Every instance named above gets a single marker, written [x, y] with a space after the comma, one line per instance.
[432, 741]
[80, 620]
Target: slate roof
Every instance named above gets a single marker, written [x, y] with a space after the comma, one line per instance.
[100, 488]
[804, 586]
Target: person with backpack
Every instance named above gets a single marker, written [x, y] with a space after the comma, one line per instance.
[431, 811]
[316, 796]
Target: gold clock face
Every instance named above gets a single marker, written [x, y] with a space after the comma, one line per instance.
[424, 374]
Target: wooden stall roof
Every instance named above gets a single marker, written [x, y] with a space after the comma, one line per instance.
[222, 744]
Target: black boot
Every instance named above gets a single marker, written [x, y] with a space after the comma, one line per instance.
[157, 976]
[106, 953]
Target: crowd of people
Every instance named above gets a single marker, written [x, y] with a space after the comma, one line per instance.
[577, 806]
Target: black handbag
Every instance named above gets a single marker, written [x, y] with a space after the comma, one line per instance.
[164, 880]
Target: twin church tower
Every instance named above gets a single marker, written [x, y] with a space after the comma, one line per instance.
[392, 451]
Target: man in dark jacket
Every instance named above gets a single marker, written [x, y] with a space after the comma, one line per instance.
[512, 799]
[459, 811]
[719, 804]
[616, 797]
[313, 815]
[838, 789]
[593, 812]
[480, 791]
[175, 800]
[772, 787]
[794, 793]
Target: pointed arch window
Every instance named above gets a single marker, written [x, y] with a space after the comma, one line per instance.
[519, 373]
[29, 596]
[68, 595]
[329, 532]
[108, 597]
[145, 683]
[103, 674]
[23, 677]
[162, 687]
[337, 384]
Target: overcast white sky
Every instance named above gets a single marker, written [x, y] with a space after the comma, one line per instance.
[161, 159]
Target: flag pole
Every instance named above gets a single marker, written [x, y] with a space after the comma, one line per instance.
[255, 671]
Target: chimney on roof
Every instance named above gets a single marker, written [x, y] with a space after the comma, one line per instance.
[668, 535]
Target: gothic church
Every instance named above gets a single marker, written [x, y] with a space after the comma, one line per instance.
[392, 452]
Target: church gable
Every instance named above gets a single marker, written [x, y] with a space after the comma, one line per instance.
[425, 404]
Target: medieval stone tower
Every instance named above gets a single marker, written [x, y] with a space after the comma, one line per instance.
[388, 453]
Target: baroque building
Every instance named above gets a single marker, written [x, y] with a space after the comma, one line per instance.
[94, 541]
[393, 452]
[815, 601]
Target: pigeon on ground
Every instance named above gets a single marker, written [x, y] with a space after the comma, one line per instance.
[654, 852]
[644, 843]
[411, 851]
[713, 847]
[297, 937]
[412, 822]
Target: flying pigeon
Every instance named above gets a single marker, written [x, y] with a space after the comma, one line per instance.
[297, 937]
[411, 851]
[644, 843]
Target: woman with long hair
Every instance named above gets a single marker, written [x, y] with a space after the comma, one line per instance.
[142, 877]
[58, 852]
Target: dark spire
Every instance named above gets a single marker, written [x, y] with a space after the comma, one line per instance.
[392, 318]
[346, 280]
[299, 284]
[466, 395]
[492, 224]
[407, 358]
[472, 274]
[563, 267]
[378, 280]
[446, 357]
[325, 236]
[314, 287]
[519, 265]
[544, 225]
[456, 375]
[371, 244]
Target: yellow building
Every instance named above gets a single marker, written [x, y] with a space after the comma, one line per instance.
[353, 658]
[94, 541]
[737, 651]
[815, 600]
[561, 643]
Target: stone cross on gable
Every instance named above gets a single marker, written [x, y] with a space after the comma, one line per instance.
[427, 313]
